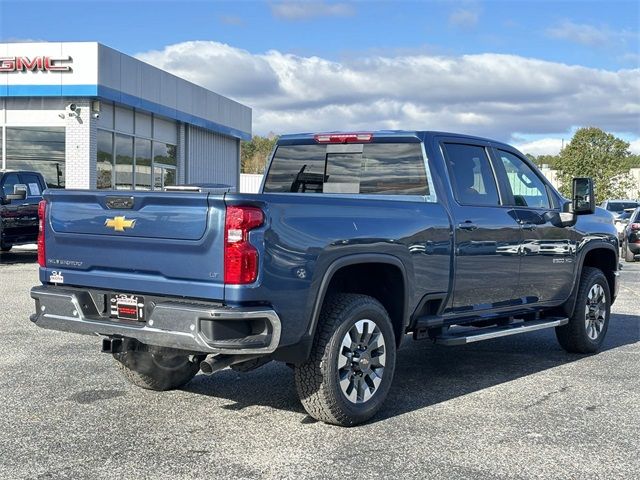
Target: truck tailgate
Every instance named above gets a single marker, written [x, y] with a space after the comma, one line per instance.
[166, 243]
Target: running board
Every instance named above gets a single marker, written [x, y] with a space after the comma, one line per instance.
[479, 334]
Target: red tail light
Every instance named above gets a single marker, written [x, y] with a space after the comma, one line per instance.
[634, 227]
[42, 213]
[343, 137]
[240, 257]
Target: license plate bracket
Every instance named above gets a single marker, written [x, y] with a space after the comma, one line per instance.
[124, 306]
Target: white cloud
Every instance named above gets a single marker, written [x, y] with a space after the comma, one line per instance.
[543, 146]
[303, 10]
[464, 18]
[590, 35]
[634, 146]
[488, 94]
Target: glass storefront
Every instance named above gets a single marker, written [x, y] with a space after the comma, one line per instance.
[143, 164]
[37, 148]
[142, 160]
[105, 159]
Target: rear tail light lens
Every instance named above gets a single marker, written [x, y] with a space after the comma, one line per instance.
[42, 214]
[343, 137]
[240, 257]
[635, 227]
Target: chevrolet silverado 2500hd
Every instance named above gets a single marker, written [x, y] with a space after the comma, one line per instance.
[355, 240]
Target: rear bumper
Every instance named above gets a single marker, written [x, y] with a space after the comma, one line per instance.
[175, 323]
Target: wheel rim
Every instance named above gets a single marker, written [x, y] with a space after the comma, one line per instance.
[361, 361]
[595, 311]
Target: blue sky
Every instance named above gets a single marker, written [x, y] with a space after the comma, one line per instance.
[597, 37]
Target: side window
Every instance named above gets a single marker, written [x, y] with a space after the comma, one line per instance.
[471, 174]
[527, 188]
[33, 184]
[8, 183]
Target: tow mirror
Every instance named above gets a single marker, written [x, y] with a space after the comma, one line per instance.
[584, 202]
[19, 192]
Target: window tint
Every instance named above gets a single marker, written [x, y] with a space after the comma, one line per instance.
[527, 188]
[620, 206]
[471, 174]
[379, 168]
[33, 184]
[8, 183]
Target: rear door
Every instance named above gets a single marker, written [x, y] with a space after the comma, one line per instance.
[487, 235]
[548, 249]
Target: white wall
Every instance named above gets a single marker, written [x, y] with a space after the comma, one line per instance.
[250, 182]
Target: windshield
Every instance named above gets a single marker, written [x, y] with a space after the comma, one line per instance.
[373, 168]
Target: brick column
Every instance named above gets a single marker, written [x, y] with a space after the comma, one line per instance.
[81, 146]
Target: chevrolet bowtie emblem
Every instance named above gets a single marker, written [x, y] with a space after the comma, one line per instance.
[119, 223]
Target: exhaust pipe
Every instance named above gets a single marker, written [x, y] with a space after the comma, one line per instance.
[215, 363]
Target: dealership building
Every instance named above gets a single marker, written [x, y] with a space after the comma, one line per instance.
[88, 116]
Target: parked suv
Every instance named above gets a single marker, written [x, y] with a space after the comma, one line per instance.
[20, 193]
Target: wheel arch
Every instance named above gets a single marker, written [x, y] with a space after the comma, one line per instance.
[598, 255]
[393, 293]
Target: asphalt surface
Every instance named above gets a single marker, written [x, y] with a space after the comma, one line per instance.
[516, 407]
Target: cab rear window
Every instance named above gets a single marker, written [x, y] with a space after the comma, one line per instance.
[366, 169]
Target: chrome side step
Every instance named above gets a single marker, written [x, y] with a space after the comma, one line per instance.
[479, 334]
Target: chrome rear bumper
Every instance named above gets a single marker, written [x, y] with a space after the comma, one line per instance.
[169, 322]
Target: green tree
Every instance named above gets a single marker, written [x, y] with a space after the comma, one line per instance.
[600, 155]
[255, 153]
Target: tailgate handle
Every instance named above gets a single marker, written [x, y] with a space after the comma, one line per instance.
[120, 202]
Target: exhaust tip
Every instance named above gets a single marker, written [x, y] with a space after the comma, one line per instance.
[206, 366]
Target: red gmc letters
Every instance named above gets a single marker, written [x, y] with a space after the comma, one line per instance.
[35, 64]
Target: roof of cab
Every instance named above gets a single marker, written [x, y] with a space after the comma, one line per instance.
[386, 135]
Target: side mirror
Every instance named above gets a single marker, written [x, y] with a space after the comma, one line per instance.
[19, 192]
[583, 200]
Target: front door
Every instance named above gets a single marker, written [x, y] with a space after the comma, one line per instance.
[12, 223]
[487, 235]
[548, 249]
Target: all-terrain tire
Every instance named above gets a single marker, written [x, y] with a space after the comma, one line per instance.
[583, 334]
[318, 379]
[154, 371]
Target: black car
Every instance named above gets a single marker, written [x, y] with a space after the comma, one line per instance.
[20, 193]
[631, 237]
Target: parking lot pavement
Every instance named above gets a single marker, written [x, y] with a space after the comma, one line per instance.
[515, 407]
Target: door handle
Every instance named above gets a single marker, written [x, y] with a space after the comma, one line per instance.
[529, 226]
[467, 225]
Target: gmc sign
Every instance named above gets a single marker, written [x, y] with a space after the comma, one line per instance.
[35, 64]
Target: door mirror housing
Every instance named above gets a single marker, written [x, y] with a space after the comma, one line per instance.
[583, 199]
[19, 192]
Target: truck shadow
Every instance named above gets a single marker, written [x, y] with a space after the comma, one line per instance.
[426, 374]
[15, 257]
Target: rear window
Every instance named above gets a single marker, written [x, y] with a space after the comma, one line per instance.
[620, 206]
[373, 169]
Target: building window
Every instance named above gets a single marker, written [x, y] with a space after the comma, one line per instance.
[41, 149]
[164, 163]
[124, 162]
[105, 159]
[143, 164]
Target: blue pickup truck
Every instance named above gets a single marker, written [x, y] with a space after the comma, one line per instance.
[355, 240]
